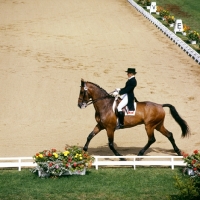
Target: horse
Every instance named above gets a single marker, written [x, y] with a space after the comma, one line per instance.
[150, 114]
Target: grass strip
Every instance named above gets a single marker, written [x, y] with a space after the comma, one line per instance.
[150, 183]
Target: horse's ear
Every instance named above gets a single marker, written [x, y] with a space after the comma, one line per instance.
[82, 83]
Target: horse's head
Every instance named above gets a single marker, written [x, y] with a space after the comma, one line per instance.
[83, 96]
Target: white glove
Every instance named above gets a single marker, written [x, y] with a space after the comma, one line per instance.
[117, 89]
[115, 93]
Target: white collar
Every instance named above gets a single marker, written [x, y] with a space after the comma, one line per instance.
[131, 77]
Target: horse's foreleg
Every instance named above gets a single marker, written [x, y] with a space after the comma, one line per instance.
[111, 143]
[96, 130]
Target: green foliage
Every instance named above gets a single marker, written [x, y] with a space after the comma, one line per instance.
[187, 188]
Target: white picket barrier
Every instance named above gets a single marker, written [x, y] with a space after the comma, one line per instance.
[19, 162]
[139, 161]
[191, 52]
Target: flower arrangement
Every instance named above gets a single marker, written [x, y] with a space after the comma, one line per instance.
[148, 2]
[159, 8]
[170, 19]
[144, 2]
[193, 36]
[164, 13]
[186, 28]
[141, 2]
[56, 163]
[193, 162]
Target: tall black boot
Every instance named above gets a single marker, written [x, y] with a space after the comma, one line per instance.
[121, 119]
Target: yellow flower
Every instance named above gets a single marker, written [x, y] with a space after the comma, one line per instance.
[81, 158]
[66, 153]
[55, 155]
[40, 155]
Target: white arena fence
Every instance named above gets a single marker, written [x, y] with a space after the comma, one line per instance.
[172, 161]
[178, 41]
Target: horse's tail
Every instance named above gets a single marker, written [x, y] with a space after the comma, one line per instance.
[182, 123]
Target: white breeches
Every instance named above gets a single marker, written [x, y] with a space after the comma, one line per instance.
[123, 102]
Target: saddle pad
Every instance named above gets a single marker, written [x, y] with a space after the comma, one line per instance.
[125, 109]
[131, 113]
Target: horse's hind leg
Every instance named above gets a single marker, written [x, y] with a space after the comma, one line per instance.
[170, 137]
[96, 130]
[151, 140]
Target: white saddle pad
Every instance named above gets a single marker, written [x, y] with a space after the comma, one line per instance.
[132, 113]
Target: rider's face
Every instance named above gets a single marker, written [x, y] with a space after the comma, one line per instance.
[129, 75]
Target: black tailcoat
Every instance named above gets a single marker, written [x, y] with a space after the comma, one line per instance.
[129, 90]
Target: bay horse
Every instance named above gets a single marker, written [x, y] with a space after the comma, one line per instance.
[148, 113]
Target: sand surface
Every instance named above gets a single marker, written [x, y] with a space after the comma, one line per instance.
[48, 46]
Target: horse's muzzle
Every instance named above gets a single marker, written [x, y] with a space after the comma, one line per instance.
[82, 105]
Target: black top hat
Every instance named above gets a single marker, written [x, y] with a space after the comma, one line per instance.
[131, 70]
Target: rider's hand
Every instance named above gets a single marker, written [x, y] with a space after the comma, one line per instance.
[117, 89]
[115, 93]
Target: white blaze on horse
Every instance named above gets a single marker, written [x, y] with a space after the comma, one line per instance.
[150, 114]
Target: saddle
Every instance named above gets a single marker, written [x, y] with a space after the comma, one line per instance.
[125, 108]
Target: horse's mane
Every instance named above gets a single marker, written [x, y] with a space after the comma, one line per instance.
[101, 89]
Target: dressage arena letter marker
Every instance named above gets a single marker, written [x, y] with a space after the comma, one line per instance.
[178, 26]
[153, 7]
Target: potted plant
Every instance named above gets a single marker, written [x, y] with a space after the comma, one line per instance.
[158, 9]
[170, 20]
[164, 13]
[192, 163]
[145, 3]
[193, 37]
[140, 1]
[72, 160]
[148, 4]
[185, 29]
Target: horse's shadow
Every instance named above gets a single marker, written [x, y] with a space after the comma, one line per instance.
[105, 151]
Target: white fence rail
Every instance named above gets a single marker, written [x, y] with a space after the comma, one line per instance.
[139, 161]
[133, 161]
[18, 162]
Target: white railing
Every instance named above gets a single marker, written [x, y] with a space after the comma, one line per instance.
[178, 41]
[133, 161]
[18, 162]
[139, 161]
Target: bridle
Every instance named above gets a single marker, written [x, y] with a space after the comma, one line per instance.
[90, 101]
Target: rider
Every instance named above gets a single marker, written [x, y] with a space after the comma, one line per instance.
[127, 95]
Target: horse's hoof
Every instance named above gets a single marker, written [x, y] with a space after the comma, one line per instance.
[122, 159]
[85, 148]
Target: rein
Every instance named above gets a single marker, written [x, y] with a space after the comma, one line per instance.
[95, 100]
